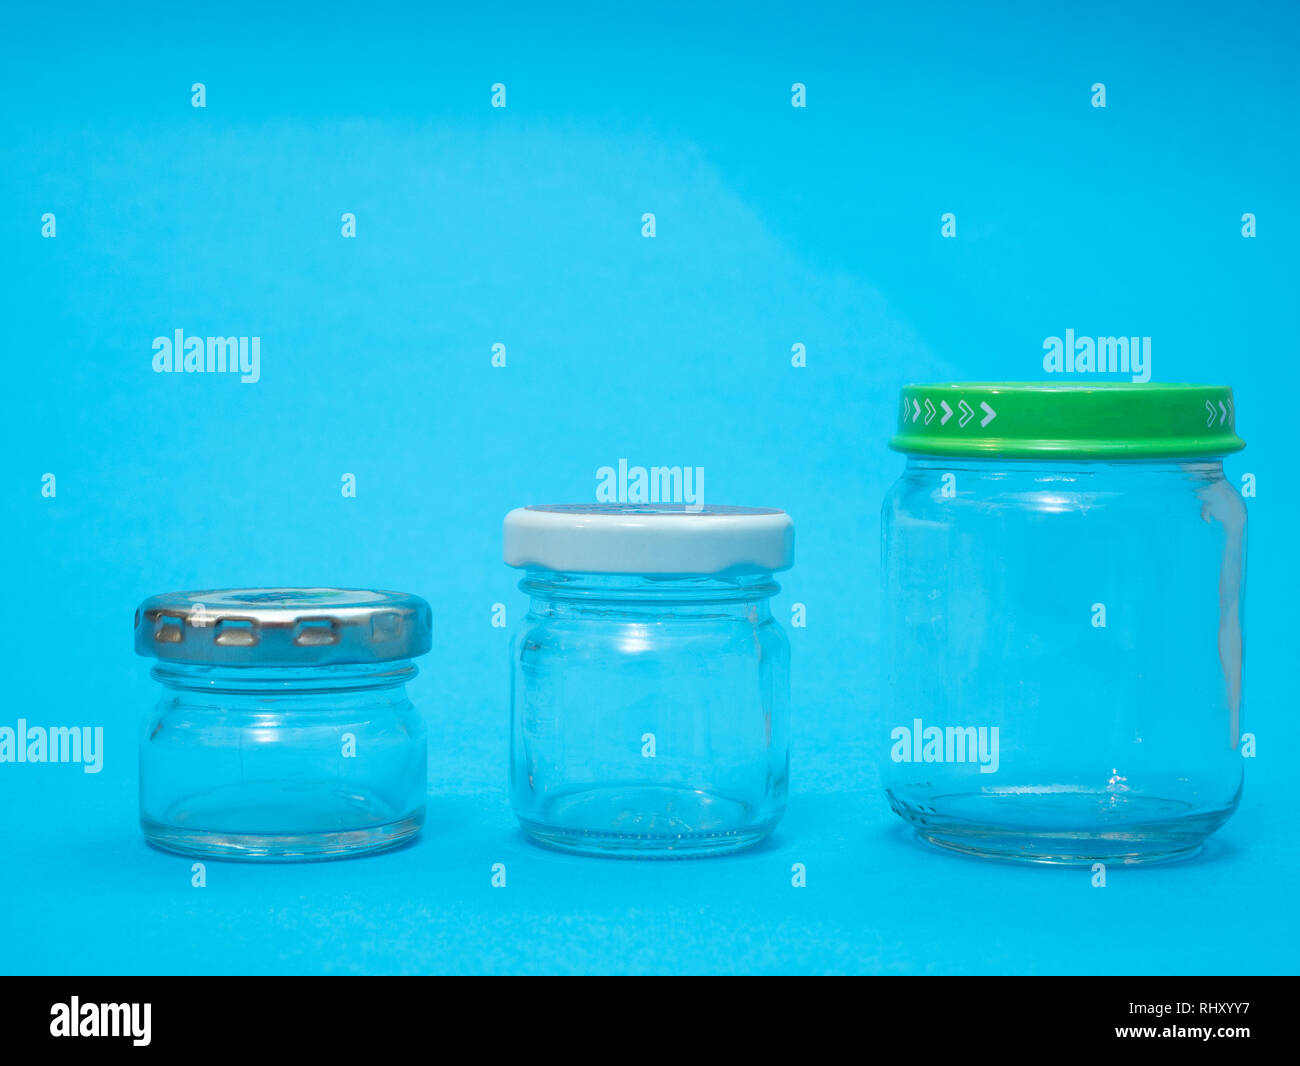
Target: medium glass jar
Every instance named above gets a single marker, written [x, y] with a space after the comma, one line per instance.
[283, 731]
[1063, 570]
[650, 682]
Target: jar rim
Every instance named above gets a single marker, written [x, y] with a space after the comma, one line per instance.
[652, 589]
[223, 678]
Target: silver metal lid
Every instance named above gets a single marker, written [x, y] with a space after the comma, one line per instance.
[283, 627]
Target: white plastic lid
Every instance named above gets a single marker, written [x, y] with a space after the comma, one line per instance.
[660, 539]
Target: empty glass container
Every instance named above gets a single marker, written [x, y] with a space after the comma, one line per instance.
[1063, 570]
[650, 682]
[283, 731]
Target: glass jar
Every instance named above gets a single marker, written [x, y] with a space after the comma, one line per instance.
[650, 682]
[283, 732]
[1063, 571]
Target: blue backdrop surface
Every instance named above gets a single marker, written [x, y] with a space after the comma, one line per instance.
[522, 226]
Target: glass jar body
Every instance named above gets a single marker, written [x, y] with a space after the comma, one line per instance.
[282, 764]
[650, 716]
[1062, 649]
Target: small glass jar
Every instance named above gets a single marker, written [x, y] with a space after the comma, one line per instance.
[650, 682]
[1063, 569]
[283, 732]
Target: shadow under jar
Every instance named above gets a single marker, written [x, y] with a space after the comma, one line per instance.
[1063, 570]
[650, 682]
[283, 732]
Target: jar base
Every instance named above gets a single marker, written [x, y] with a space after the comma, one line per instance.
[1061, 852]
[1063, 828]
[618, 846]
[281, 847]
[652, 823]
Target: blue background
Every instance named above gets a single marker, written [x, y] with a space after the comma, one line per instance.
[522, 225]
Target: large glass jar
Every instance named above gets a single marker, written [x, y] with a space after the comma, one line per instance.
[283, 731]
[1063, 572]
[650, 682]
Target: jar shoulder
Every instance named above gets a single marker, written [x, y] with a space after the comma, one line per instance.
[933, 491]
[541, 633]
[174, 707]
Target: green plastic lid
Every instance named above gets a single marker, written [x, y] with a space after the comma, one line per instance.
[1020, 419]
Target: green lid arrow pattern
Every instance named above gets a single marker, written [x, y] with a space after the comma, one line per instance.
[1016, 419]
